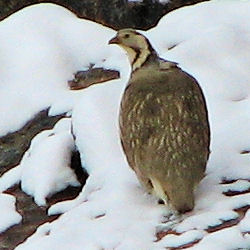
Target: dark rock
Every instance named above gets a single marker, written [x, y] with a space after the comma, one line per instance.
[84, 79]
[113, 13]
[33, 216]
[76, 165]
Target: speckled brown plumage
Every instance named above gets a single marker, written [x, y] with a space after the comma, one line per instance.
[165, 130]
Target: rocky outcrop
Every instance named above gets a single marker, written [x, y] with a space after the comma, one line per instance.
[83, 79]
[113, 13]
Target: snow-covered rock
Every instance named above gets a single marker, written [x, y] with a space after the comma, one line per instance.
[113, 211]
[45, 167]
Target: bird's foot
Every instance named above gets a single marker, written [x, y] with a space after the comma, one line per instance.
[169, 222]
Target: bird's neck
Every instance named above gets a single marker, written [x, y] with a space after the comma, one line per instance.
[138, 57]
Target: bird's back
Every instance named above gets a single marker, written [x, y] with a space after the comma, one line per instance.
[165, 132]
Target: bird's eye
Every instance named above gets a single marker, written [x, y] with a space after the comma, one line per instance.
[126, 36]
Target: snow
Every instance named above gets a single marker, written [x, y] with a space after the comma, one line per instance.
[42, 172]
[10, 178]
[113, 211]
[205, 220]
[9, 216]
[229, 238]
[103, 221]
[245, 223]
[240, 186]
[179, 240]
[40, 56]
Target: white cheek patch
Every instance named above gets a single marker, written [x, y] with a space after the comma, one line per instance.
[131, 53]
[137, 58]
[144, 52]
[141, 59]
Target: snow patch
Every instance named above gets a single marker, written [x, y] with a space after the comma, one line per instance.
[45, 167]
[183, 239]
[9, 216]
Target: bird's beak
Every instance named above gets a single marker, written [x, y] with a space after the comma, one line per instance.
[114, 40]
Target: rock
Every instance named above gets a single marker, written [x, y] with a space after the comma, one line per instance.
[117, 14]
[84, 79]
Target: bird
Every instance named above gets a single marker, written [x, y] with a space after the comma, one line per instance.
[164, 126]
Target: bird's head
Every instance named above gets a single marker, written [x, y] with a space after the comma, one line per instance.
[135, 44]
[130, 38]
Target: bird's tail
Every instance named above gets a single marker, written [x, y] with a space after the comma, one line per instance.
[182, 198]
